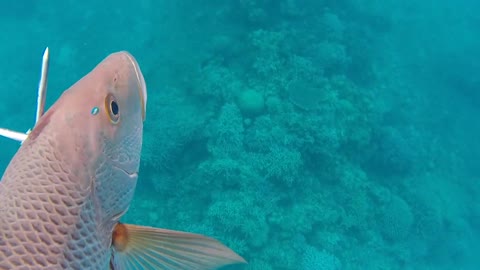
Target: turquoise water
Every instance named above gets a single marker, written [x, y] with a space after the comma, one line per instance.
[304, 134]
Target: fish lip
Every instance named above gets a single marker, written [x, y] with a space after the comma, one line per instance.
[141, 83]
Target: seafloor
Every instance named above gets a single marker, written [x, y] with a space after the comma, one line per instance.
[305, 134]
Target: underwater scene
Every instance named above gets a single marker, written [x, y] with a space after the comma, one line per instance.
[302, 134]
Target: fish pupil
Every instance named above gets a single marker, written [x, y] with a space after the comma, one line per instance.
[114, 107]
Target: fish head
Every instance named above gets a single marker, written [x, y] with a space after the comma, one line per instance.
[98, 126]
[118, 110]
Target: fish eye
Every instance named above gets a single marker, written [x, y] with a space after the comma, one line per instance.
[111, 106]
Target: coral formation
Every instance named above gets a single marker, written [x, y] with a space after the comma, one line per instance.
[304, 134]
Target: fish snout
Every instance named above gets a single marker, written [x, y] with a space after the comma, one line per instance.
[142, 87]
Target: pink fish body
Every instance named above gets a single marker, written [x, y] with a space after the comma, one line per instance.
[64, 191]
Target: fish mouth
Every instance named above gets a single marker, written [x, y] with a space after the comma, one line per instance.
[141, 83]
[131, 174]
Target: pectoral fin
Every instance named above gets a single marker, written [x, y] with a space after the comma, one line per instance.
[138, 247]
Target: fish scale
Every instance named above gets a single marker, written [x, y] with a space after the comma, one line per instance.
[74, 176]
[44, 217]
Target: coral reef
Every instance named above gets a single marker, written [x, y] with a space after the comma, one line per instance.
[304, 134]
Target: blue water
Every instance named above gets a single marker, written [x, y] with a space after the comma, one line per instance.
[304, 134]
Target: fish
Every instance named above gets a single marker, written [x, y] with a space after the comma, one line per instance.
[74, 176]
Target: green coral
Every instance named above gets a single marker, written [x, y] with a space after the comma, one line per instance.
[251, 102]
[396, 219]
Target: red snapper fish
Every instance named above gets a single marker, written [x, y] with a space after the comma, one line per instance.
[74, 176]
